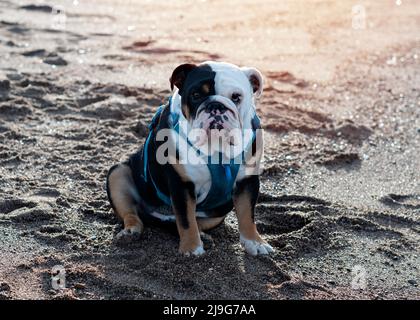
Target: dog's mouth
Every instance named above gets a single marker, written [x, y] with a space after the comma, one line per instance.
[216, 129]
[217, 137]
[217, 126]
[217, 113]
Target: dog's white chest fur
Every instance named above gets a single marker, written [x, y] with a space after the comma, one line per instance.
[200, 175]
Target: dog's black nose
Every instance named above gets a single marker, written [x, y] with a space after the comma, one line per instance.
[215, 108]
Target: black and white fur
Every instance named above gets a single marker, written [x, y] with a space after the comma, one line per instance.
[202, 94]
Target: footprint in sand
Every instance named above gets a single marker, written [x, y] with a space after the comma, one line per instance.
[410, 201]
[31, 215]
[35, 53]
[264, 197]
[9, 205]
[292, 222]
[277, 223]
[37, 7]
[285, 77]
[5, 291]
[4, 90]
[48, 57]
[337, 160]
[14, 112]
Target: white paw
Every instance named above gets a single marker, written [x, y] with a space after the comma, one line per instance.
[128, 235]
[195, 252]
[198, 251]
[254, 247]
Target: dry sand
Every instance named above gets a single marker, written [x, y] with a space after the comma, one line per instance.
[340, 192]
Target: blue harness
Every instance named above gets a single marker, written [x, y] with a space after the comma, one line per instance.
[222, 176]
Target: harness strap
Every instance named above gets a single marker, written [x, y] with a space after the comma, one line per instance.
[223, 176]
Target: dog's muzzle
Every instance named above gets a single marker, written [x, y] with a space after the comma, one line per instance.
[217, 114]
[217, 118]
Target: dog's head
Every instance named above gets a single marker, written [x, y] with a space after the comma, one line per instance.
[216, 95]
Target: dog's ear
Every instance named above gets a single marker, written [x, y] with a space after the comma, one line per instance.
[180, 74]
[255, 78]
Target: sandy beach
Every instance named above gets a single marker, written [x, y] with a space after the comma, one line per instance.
[340, 191]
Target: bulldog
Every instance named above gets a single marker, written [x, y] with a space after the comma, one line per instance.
[201, 159]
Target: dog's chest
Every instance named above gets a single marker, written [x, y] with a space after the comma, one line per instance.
[201, 177]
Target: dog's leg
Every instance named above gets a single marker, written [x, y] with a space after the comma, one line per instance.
[183, 203]
[245, 198]
[124, 199]
[205, 224]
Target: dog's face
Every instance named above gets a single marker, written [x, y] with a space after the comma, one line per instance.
[217, 96]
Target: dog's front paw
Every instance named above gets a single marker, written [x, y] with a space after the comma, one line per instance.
[128, 235]
[190, 249]
[256, 247]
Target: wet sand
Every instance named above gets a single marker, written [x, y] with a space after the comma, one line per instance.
[340, 194]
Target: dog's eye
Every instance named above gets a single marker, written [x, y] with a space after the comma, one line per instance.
[196, 95]
[236, 97]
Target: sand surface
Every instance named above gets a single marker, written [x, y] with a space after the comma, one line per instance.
[340, 198]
